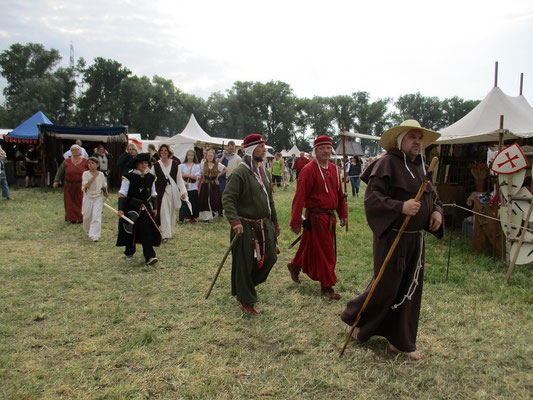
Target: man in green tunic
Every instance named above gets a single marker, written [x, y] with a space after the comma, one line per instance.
[249, 207]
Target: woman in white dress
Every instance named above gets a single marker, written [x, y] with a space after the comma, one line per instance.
[170, 190]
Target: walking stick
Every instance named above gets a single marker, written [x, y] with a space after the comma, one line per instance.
[221, 264]
[389, 254]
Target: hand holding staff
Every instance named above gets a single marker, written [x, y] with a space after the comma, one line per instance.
[389, 254]
[121, 216]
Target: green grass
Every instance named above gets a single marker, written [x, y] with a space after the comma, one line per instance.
[78, 321]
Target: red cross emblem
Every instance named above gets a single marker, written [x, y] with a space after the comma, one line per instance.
[509, 160]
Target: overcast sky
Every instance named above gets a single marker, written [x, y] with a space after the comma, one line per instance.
[388, 48]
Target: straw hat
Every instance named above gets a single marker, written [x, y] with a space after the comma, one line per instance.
[390, 137]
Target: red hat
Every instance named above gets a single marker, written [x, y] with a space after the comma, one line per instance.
[322, 140]
[253, 139]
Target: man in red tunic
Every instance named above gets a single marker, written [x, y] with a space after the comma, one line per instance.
[320, 191]
[299, 163]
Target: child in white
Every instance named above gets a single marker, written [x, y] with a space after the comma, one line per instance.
[94, 186]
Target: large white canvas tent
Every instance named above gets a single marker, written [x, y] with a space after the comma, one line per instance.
[194, 131]
[483, 122]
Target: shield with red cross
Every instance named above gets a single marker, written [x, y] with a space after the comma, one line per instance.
[509, 160]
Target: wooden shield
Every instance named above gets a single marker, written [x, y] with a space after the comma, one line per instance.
[509, 160]
[524, 194]
[525, 255]
[516, 220]
[522, 206]
[517, 181]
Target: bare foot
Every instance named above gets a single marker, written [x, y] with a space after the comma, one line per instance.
[393, 349]
[355, 333]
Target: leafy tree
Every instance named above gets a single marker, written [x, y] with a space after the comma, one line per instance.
[316, 115]
[23, 62]
[222, 121]
[99, 104]
[426, 110]
[370, 118]
[4, 119]
[455, 108]
[342, 109]
[34, 85]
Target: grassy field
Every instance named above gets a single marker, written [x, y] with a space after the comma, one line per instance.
[78, 321]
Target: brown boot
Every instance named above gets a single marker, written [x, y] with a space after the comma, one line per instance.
[249, 308]
[329, 292]
[295, 271]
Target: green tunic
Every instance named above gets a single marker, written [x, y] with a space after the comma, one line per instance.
[244, 197]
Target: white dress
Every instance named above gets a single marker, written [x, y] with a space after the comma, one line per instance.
[170, 203]
[93, 202]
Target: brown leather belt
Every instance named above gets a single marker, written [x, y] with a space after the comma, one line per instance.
[260, 250]
[323, 211]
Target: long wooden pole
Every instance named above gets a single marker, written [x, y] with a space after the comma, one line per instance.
[345, 174]
[221, 265]
[390, 253]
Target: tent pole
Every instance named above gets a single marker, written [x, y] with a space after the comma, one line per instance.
[345, 174]
[496, 74]
[521, 83]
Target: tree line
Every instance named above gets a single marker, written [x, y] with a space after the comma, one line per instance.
[107, 93]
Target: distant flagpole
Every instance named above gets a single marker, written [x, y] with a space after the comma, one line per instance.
[71, 55]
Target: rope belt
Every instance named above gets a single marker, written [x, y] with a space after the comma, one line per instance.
[419, 266]
[397, 230]
[323, 211]
[259, 250]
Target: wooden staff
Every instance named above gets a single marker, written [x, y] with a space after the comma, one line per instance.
[389, 254]
[345, 174]
[221, 264]
[121, 216]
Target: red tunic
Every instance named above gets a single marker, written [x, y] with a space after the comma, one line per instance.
[316, 255]
[72, 189]
[299, 163]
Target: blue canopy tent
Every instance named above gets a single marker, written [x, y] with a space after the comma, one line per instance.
[28, 131]
[58, 138]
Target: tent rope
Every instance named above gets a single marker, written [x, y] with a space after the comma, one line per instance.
[486, 216]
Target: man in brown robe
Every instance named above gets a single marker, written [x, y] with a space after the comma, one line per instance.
[392, 184]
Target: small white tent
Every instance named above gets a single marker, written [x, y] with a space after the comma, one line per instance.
[294, 150]
[483, 122]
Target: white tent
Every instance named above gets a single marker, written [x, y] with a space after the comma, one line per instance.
[194, 131]
[483, 122]
[294, 150]
[179, 145]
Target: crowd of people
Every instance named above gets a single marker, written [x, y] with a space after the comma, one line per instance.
[157, 189]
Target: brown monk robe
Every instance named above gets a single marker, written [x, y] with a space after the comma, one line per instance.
[394, 308]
